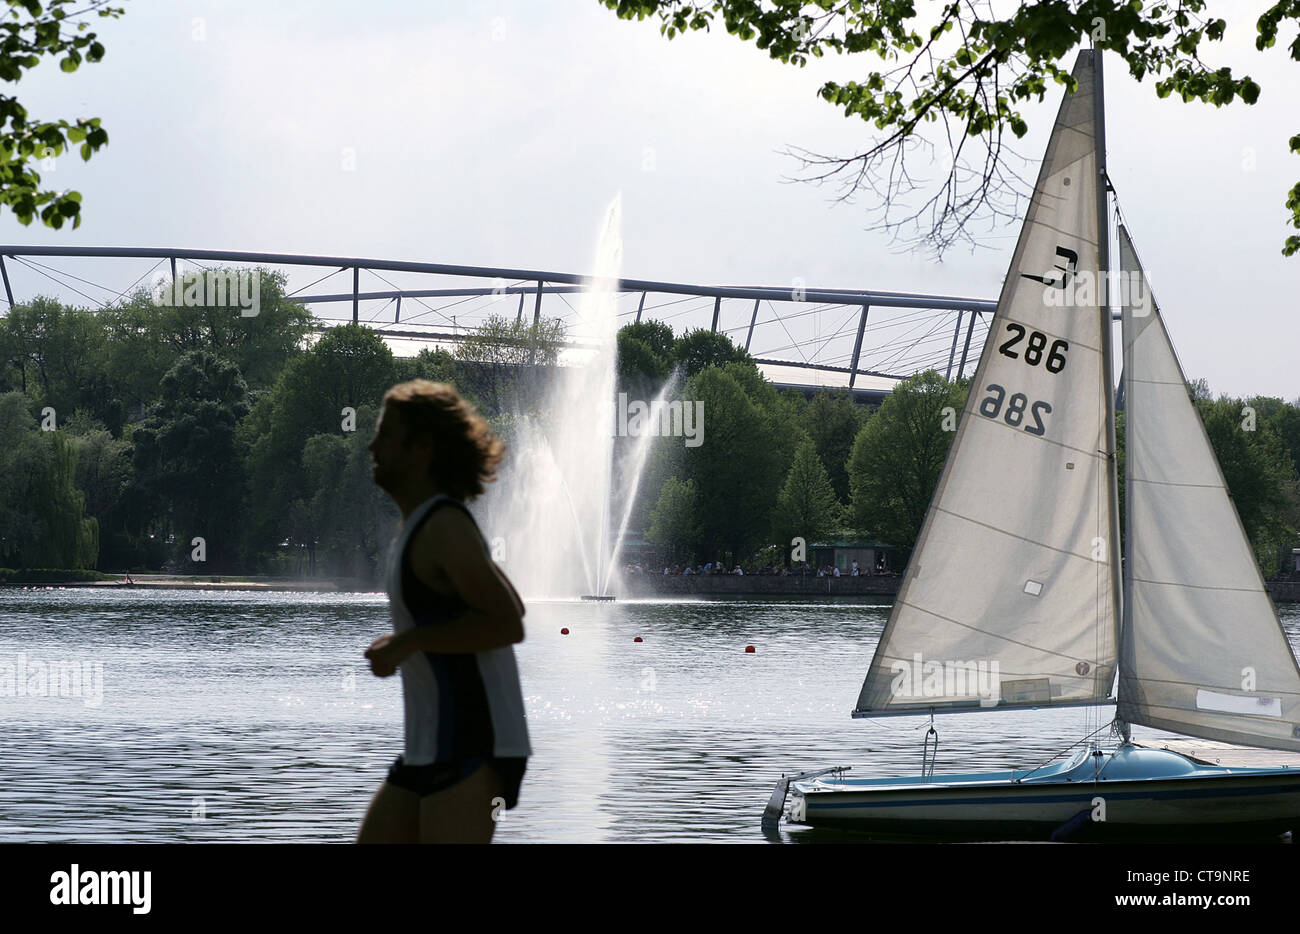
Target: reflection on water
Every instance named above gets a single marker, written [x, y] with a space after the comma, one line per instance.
[252, 717]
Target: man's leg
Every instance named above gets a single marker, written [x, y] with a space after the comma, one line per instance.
[466, 812]
[393, 817]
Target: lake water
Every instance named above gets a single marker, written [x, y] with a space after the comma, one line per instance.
[245, 716]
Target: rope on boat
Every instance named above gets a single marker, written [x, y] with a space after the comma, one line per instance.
[928, 756]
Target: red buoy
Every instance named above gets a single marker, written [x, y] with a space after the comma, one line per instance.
[564, 631]
[637, 639]
[749, 649]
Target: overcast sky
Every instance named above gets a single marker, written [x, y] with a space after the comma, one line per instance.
[496, 133]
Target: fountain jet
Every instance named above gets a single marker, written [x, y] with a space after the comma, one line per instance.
[552, 510]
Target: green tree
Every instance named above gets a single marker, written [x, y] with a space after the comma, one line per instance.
[435, 365]
[104, 474]
[675, 525]
[1284, 419]
[59, 357]
[698, 349]
[750, 428]
[833, 420]
[972, 67]
[322, 391]
[899, 454]
[189, 460]
[259, 344]
[1260, 475]
[66, 539]
[645, 357]
[346, 519]
[145, 339]
[31, 33]
[783, 423]
[137, 355]
[656, 335]
[641, 371]
[736, 469]
[499, 361]
[42, 520]
[807, 505]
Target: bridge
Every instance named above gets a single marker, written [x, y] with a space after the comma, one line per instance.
[801, 336]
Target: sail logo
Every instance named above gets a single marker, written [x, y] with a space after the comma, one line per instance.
[952, 680]
[1068, 287]
[675, 419]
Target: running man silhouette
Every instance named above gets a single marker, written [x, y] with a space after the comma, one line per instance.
[455, 618]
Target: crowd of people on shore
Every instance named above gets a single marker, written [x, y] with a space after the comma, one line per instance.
[803, 569]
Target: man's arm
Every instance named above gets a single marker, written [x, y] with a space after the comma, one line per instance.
[514, 594]
[450, 542]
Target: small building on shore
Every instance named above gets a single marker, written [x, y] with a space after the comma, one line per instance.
[872, 557]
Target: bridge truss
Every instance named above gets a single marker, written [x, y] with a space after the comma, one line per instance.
[862, 340]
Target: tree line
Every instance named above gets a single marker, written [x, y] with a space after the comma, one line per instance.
[194, 439]
[778, 465]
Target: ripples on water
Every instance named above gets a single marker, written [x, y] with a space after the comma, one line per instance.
[257, 713]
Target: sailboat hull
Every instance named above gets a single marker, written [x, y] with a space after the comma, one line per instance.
[1102, 794]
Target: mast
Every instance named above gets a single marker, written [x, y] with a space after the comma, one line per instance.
[1119, 595]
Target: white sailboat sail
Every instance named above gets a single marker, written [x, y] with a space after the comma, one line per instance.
[1203, 652]
[1010, 597]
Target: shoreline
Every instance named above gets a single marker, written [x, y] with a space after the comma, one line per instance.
[192, 582]
[633, 586]
[757, 585]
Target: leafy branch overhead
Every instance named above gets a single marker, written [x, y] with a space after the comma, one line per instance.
[30, 32]
[968, 69]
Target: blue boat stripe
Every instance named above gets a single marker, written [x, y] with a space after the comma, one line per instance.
[811, 802]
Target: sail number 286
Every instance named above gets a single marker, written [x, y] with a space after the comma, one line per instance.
[1016, 409]
[1033, 350]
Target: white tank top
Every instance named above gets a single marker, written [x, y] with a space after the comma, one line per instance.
[457, 706]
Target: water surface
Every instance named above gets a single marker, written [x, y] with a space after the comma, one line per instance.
[245, 716]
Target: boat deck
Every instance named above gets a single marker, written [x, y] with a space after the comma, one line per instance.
[1225, 754]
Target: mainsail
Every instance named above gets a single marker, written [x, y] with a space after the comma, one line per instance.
[1203, 652]
[1010, 597]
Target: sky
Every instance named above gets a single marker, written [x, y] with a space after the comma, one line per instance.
[497, 133]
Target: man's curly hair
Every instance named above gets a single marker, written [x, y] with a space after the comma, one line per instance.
[466, 452]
